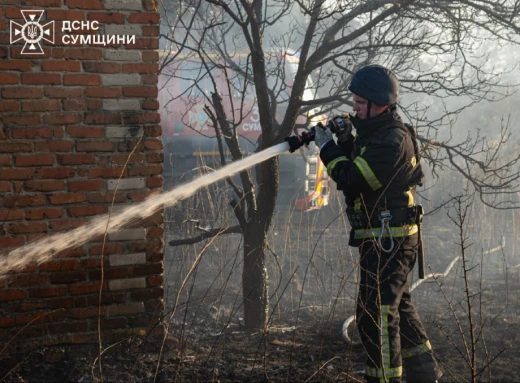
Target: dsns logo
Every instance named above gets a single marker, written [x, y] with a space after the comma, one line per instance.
[32, 32]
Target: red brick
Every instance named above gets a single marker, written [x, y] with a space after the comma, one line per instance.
[84, 4]
[5, 186]
[81, 79]
[85, 288]
[16, 53]
[102, 118]
[153, 144]
[141, 118]
[91, 263]
[61, 303]
[57, 92]
[153, 131]
[149, 79]
[83, 54]
[27, 227]
[61, 66]
[145, 295]
[90, 185]
[154, 182]
[22, 92]
[112, 273]
[41, 106]
[42, 3]
[54, 146]
[45, 292]
[67, 224]
[32, 305]
[34, 318]
[95, 146]
[155, 157]
[105, 172]
[148, 170]
[15, 147]
[141, 195]
[9, 78]
[121, 159]
[74, 252]
[81, 132]
[55, 14]
[68, 277]
[109, 248]
[62, 118]
[76, 159]
[22, 119]
[44, 186]
[150, 5]
[6, 160]
[66, 198]
[144, 18]
[41, 79]
[101, 67]
[106, 17]
[74, 104]
[85, 338]
[6, 322]
[44, 213]
[19, 65]
[140, 91]
[151, 31]
[144, 43]
[83, 211]
[156, 280]
[9, 106]
[61, 172]
[11, 215]
[26, 279]
[141, 68]
[60, 265]
[155, 232]
[16, 174]
[11, 241]
[93, 104]
[25, 200]
[151, 105]
[12, 295]
[147, 269]
[31, 133]
[107, 197]
[103, 92]
[35, 160]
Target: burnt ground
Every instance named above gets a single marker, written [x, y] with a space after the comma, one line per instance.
[312, 287]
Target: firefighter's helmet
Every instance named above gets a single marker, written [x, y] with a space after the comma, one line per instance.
[377, 84]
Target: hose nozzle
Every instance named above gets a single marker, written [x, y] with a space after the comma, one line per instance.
[296, 142]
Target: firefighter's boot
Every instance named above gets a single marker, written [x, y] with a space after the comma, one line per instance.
[422, 369]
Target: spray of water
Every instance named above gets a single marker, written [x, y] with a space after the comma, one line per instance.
[44, 249]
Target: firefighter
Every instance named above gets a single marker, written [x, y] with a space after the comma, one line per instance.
[378, 171]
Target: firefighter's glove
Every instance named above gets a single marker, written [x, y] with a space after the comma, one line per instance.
[345, 132]
[323, 135]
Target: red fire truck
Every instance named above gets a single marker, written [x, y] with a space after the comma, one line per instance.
[185, 87]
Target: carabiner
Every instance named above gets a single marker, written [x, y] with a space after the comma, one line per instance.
[385, 218]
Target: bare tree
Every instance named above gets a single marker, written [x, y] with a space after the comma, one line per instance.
[436, 47]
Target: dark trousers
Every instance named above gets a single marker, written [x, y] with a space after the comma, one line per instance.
[388, 323]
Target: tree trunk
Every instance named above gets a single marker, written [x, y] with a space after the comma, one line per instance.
[255, 283]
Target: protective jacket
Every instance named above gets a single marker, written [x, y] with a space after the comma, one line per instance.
[378, 170]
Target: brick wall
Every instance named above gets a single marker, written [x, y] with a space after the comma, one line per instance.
[68, 120]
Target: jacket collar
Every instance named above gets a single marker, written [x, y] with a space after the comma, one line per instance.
[368, 126]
